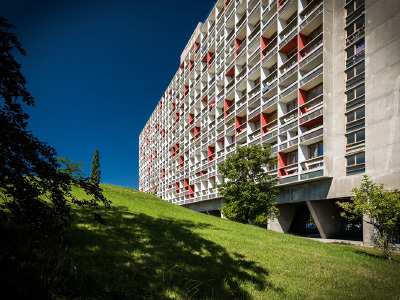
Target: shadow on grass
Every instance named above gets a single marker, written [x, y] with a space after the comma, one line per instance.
[136, 256]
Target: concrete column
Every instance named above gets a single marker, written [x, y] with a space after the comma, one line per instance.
[285, 218]
[368, 231]
[326, 215]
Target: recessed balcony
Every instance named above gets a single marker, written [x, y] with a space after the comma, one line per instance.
[311, 17]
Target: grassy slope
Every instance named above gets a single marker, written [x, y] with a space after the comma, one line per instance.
[152, 249]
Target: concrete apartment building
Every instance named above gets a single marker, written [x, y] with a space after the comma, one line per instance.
[317, 80]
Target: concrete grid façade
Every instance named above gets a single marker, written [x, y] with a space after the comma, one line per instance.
[317, 80]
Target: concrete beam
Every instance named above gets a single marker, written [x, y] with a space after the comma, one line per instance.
[326, 215]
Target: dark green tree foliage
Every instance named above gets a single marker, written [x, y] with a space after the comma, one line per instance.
[71, 168]
[35, 194]
[95, 172]
[382, 208]
[249, 192]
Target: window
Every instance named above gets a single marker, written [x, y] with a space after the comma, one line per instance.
[314, 126]
[273, 116]
[315, 91]
[355, 93]
[357, 70]
[355, 115]
[357, 25]
[355, 138]
[315, 150]
[355, 75]
[291, 53]
[355, 164]
[292, 157]
[355, 53]
[314, 33]
[353, 5]
[291, 105]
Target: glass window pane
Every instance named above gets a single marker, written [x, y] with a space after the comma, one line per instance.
[360, 90]
[351, 95]
[350, 117]
[350, 74]
[360, 68]
[350, 52]
[350, 30]
[360, 46]
[350, 139]
[312, 94]
[351, 160]
[360, 112]
[320, 149]
[360, 23]
[350, 8]
[360, 158]
[360, 135]
[359, 2]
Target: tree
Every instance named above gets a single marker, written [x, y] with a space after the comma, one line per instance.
[71, 168]
[35, 194]
[382, 208]
[249, 191]
[95, 172]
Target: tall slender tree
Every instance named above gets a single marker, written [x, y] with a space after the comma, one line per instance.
[34, 192]
[95, 172]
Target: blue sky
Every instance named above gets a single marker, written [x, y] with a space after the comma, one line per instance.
[97, 69]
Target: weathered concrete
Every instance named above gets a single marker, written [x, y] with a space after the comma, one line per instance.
[285, 218]
[315, 190]
[326, 215]
[208, 205]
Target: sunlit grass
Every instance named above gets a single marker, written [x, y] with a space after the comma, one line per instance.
[151, 249]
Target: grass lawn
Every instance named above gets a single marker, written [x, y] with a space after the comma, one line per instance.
[151, 249]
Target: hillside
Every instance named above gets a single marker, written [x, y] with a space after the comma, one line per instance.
[151, 249]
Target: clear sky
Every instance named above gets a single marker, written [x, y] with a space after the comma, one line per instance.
[97, 69]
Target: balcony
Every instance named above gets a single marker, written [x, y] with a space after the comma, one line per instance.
[230, 148]
[254, 112]
[311, 174]
[289, 37]
[254, 135]
[254, 54]
[312, 134]
[286, 127]
[270, 22]
[285, 6]
[254, 10]
[242, 134]
[241, 102]
[308, 18]
[292, 70]
[272, 130]
[311, 115]
[241, 22]
[311, 75]
[288, 179]
[241, 47]
[269, 103]
[311, 55]
[311, 103]
[289, 90]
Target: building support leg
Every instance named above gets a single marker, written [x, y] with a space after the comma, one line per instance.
[285, 218]
[326, 215]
